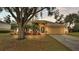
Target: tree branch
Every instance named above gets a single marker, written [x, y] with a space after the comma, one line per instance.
[10, 11]
[40, 10]
[32, 14]
[27, 12]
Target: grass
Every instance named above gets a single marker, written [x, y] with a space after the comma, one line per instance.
[32, 43]
[74, 34]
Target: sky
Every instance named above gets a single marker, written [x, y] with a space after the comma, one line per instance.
[63, 10]
[67, 10]
[4, 14]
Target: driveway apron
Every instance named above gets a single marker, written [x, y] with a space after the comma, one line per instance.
[69, 41]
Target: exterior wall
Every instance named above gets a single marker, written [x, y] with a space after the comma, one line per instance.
[51, 28]
[4, 27]
[55, 30]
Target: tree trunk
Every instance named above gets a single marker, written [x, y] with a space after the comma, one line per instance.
[21, 32]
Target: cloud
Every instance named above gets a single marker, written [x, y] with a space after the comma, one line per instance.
[68, 10]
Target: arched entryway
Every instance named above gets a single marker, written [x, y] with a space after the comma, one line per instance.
[42, 29]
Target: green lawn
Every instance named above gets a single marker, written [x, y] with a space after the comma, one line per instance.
[74, 34]
[32, 43]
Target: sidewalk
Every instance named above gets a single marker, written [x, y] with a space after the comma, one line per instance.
[69, 41]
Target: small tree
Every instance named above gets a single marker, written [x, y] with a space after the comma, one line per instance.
[71, 18]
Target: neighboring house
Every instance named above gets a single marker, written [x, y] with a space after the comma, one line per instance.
[4, 26]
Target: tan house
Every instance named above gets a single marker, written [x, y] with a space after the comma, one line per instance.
[47, 27]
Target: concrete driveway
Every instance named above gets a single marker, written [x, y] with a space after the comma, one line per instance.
[69, 41]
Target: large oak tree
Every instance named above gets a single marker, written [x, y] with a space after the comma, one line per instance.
[23, 15]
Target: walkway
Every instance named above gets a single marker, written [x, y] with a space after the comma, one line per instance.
[69, 41]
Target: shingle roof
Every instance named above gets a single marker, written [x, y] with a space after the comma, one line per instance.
[42, 21]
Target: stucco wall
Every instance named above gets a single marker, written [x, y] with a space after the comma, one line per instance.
[5, 26]
[51, 28]
[55, 30]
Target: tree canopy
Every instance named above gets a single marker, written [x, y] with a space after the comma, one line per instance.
[23, 15]
[72, 18]
[58, 16]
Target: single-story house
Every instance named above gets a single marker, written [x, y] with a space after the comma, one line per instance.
[47, 27]
[4, 26]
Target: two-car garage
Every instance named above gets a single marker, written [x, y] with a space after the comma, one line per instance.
[56, 29]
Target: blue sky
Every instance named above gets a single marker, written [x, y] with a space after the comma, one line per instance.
[62, 10]
[3, 14]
